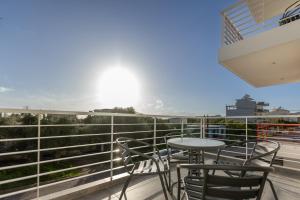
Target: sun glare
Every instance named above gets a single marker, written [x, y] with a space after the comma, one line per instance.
[118, 87]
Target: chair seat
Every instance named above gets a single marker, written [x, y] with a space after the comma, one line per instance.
[149, 166]
[179, 157]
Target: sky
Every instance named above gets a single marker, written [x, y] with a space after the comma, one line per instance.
[53, 53]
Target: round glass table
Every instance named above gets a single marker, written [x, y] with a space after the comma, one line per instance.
[195, 144]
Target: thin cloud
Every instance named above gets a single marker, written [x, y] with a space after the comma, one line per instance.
[5, 89]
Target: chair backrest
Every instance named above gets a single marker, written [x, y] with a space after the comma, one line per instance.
[226, 187]
[125, 153]
[238, 150]
[264, 153]
[171, 135]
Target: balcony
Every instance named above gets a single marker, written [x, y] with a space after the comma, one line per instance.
[255, 42]
[72, 155]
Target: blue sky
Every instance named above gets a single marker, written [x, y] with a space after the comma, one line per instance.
[53, 52]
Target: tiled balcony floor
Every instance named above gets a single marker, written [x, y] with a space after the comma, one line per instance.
[150, 188]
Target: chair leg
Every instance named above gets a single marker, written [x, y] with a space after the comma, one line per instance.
[273, 189]
[170, 182]
[125, 187]
[166, 180]
[179, 189]
[163, 186]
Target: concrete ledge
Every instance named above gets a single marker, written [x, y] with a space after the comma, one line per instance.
[85, 189]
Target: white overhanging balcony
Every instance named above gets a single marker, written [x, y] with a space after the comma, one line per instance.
[261, 41]
[73, 155]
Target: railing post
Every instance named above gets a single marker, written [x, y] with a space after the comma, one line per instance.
[246, 135]
[182, 127]
[154, 134]
[111, 147]
[38, 157]
[204, 127]
[201, 127]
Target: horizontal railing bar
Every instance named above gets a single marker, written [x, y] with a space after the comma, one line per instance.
[244, 23]
[74, 146]
[168, 130]
[18, 139]
[134, 124]
[78, 135]
[234, 7]
[72, 168]
[18, 165]
[227, 140]
[221, 128]
[18, 152]
[129, 132]
[68, 125]
[142, 139]
[160, 144]
[169, 123]
[18, 179]
[53, 160]
[238, 15]
[74, 157]
[52, 137]
[141, 147]
[18, 126]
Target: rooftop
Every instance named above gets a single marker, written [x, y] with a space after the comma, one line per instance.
[286, 188]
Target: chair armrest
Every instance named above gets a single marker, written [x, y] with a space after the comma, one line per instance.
[137, 152]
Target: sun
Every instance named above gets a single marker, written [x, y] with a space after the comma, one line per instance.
[118, 87]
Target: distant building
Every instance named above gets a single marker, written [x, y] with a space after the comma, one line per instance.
[282, 111]
[246, 106]
[279, 111]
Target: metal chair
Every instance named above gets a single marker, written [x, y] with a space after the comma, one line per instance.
[262, 153]
[223, 187]
[150, 165]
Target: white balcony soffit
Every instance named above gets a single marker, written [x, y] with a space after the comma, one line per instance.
[268, 58]
[263, 10]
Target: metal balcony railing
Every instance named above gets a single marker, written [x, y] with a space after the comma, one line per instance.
[41, 151]
[247, 18]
